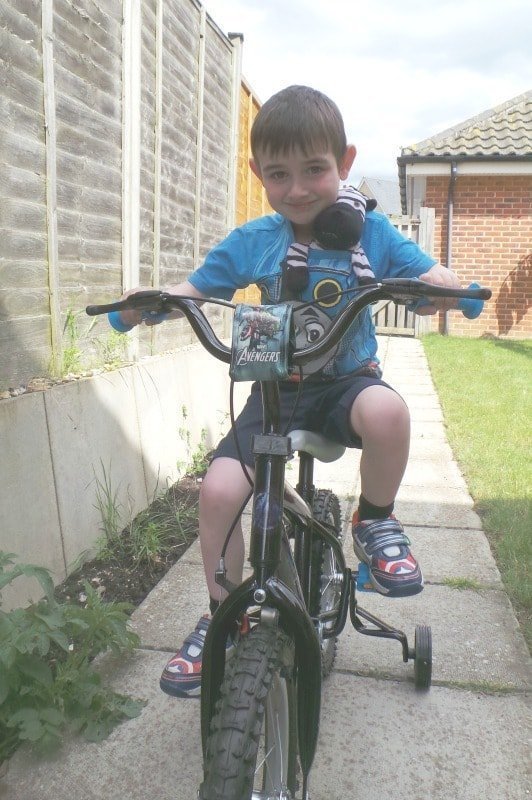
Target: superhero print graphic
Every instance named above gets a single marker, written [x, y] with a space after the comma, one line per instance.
[260, 342]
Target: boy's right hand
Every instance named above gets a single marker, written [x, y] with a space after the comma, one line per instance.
[131, 316]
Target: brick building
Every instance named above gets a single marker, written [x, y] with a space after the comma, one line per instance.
[478, 178]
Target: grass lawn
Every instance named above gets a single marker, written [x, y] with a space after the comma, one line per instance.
[484, 387]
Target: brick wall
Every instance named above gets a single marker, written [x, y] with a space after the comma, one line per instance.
[492, 244]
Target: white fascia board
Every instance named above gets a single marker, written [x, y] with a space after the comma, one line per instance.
[470, 168]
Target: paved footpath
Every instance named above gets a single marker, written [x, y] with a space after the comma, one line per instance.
[468, 738]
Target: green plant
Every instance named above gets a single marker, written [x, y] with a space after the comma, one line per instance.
[197, 460]
[71, 351]
[147, 539]
[462, 584]
[48, 684]
[108, 505]
[112, 348]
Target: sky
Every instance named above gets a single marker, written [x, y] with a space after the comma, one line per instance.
[399, 70]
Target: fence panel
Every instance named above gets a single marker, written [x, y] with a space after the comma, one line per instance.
[160, 204]
[388, 317]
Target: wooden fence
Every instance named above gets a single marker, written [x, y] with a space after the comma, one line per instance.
[118, 163]
[393, 319]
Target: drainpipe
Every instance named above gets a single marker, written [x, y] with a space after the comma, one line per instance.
[449, 248]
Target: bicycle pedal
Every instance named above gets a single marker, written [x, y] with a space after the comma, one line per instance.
[362, 579]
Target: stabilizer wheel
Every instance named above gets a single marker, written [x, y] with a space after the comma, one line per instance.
[423, 657]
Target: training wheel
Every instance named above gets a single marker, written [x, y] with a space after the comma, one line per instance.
[423, 657]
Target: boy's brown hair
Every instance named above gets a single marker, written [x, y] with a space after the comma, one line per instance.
[298, 117]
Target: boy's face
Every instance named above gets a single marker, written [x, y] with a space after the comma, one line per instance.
[300, 185]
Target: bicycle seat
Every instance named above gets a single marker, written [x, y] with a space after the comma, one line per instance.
[316, 445]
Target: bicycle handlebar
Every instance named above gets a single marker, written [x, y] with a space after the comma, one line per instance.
[401, 290]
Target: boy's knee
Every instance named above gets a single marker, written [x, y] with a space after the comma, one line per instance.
[379, 410]
[223, 485]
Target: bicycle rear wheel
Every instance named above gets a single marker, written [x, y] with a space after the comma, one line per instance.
[326, 586]
[251, 751]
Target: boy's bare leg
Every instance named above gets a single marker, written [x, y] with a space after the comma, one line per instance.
[223, 491]
[380, 417]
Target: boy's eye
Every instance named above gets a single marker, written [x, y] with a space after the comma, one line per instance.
[316, 170]
[278, 176]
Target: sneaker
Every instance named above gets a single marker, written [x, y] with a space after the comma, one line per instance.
[182, 675]
[383, 546]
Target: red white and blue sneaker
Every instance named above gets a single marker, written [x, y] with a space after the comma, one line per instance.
[182, 675]
[383, 546]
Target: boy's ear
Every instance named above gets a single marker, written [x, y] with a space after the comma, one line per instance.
[253, 165]
[347, 161]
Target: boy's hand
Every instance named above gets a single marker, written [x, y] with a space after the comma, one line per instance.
[131, 316]
[439, 276]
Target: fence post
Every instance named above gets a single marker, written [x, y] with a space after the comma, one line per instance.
[131, 80]
[199, 137]
[51, 183]
[427, 218]
[159, 29]
[236, 41]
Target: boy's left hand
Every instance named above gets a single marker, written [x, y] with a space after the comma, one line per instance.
[439, 276]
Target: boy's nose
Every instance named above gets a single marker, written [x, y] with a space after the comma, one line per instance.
[297, 190]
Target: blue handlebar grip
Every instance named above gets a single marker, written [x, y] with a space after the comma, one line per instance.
[115, 321]
[469, 307]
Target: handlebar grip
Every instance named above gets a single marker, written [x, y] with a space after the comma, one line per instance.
[470, 307]
[115, 320]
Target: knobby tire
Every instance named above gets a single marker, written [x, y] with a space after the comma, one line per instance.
[259, 684]
[324, 592]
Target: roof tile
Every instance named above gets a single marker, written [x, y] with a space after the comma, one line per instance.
[505, 130]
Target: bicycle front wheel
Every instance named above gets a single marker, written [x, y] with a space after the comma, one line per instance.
[251, 751]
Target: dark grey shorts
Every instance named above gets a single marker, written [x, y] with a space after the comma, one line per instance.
[323, 407]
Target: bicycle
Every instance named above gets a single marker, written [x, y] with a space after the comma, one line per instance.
[260, 707]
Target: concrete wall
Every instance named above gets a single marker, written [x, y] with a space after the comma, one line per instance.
[57, 443]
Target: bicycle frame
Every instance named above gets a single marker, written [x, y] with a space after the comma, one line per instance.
[280, 583]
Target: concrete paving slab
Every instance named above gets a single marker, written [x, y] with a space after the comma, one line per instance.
[173, 608]
[431, 471]
[476, 638]
[385, 740]
[447, 553]
[422, 447]
[433, 512]
[428, 424]
[448, 495]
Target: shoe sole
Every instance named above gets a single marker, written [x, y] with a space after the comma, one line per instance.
[183, 694]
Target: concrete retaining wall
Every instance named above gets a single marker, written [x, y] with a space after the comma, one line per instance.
[125, 427]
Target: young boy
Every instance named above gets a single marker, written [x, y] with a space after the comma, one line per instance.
[301, 155]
